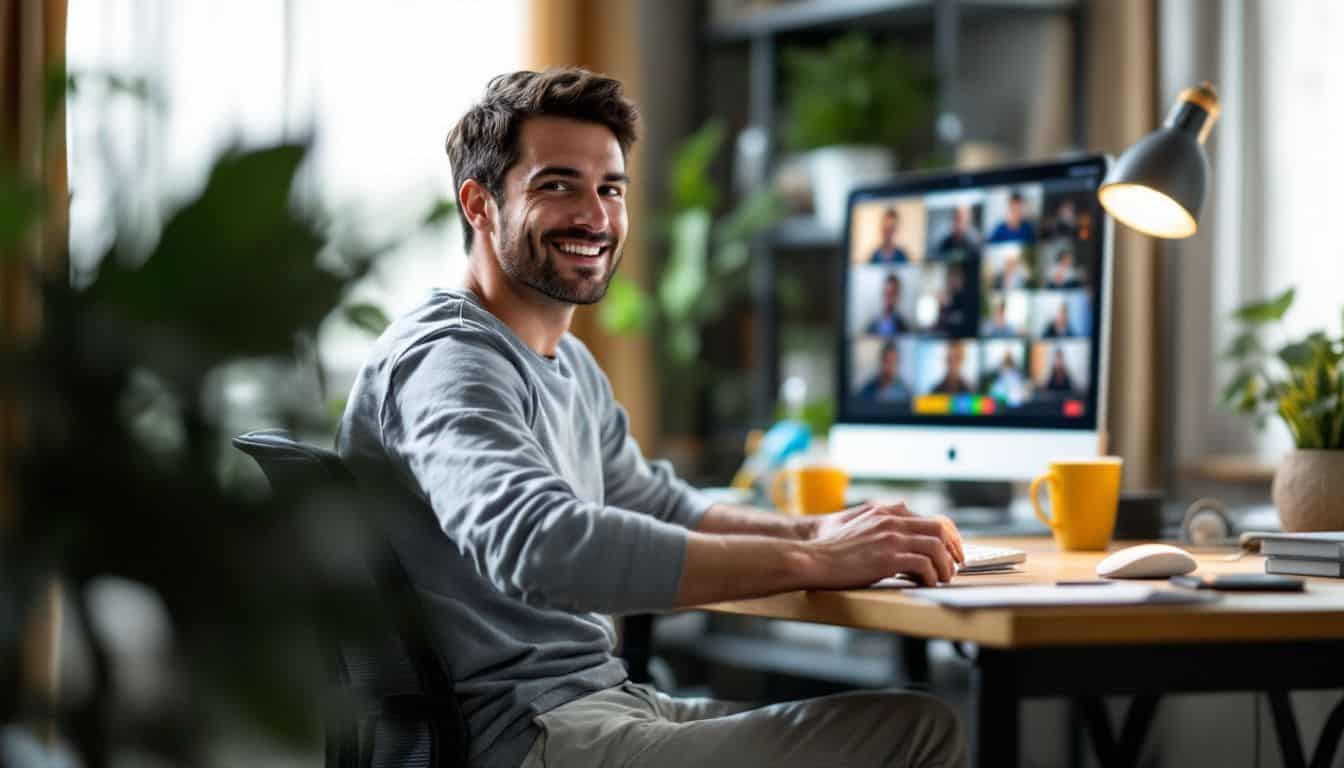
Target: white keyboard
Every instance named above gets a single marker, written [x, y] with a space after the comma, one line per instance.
[981, 558]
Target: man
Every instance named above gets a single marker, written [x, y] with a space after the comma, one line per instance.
[1066, 220]
[1058, 380]
[889, 252]
[1008, 384]
[1012, 277]
[1063, 275]
[997, 326]
[886, 384]
[957, 304]
[524, 511]
[953, 383]
[963, 240]
[889, 321]
[1014, 228]
[1059, 326]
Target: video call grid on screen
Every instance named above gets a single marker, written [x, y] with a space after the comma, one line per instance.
[975, 298]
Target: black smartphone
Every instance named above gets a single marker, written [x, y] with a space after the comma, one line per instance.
[1241, 582]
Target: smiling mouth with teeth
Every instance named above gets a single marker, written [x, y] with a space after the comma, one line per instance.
[582, 250]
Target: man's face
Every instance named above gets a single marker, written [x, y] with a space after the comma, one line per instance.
[890, 361]
[1015, 212]
[891, 294]
[888, 230]
[954, 358]
[562, 222]
[961, 217]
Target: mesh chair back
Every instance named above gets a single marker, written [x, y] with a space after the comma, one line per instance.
[412, 717]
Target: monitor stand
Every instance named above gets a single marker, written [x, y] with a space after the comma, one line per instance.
[978, 505]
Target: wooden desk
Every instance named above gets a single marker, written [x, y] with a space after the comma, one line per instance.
[1273, 642]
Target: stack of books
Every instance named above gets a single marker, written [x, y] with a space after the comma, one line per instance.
[1304, 554]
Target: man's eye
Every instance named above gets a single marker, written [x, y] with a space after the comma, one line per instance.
[554, 186]
[612, 192]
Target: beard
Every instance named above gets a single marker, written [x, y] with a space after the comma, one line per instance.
[526, 259]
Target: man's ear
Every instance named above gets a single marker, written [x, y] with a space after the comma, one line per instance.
[477, 205]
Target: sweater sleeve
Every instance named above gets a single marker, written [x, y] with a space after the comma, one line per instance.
[456, 418]
[632, 482]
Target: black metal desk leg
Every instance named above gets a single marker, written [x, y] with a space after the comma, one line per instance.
[1285, 726]
[1290, 739]
[915, 661]
[996, 712]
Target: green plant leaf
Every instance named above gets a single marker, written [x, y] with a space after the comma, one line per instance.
[685, 276]
[367, 317]
[1268, 311]
[442, 210]
[761, 210]
[20, 208]
[854, 92]
[731, 256]
[683, 344]
[1297, 355]
[1234, 394]
[1243, 346]
[238, 290]
[690, 185]
[625, 308]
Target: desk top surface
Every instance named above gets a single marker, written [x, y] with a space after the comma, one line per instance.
[1317, 614]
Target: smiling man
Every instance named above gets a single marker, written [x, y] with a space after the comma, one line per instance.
[525, 513]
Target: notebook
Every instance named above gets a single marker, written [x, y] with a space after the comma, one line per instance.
[1296, 566]
[1322, 545]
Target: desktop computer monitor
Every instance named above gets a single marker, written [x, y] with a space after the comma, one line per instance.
[974, 323]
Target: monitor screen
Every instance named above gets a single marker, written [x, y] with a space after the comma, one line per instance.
[975, 299]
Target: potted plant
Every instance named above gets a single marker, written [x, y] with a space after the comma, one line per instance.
[1302, 383]
[703, 274]
[850, 106]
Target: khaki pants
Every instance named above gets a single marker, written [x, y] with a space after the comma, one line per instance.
[634, 725]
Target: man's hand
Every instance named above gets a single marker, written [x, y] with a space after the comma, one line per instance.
[738, 554]
[861, 545]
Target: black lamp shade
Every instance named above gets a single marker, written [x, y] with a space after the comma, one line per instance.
[1158, 185]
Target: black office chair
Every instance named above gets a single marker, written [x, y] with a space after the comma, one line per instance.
[409, 715]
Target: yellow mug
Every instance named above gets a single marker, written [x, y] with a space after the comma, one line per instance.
[1084, 494]
[809, 489]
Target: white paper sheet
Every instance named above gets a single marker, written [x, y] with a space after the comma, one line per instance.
[1110, 593]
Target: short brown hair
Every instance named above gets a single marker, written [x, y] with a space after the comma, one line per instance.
[484, 143]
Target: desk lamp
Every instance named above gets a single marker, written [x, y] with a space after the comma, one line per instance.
[1157, 186]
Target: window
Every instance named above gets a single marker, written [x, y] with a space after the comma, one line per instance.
[380, 84]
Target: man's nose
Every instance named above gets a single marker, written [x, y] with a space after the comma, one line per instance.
[591, 213]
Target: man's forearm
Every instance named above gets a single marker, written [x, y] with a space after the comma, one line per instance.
[737, 519]
[736, 567]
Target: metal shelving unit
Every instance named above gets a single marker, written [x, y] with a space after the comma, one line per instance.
[762, 33]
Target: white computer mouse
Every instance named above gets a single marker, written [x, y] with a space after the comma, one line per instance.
[1146, 561]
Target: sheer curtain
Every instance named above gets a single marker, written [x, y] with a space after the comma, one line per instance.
[378, 85]
[1271, 220]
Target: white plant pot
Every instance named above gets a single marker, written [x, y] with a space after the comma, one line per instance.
[1309, 491]
[837, 170]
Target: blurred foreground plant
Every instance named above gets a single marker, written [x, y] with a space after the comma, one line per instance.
[119, 477]
[1301, 382]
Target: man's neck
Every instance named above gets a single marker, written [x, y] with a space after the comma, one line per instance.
[538, 320]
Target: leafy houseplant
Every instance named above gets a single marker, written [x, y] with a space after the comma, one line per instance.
[704, 271]
[1302, 383]
[851, 106]
[123, 478]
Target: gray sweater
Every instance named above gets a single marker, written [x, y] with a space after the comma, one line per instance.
[520, 506]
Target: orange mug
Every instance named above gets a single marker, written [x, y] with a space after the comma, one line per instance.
[1084, 494]
[809, 489]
